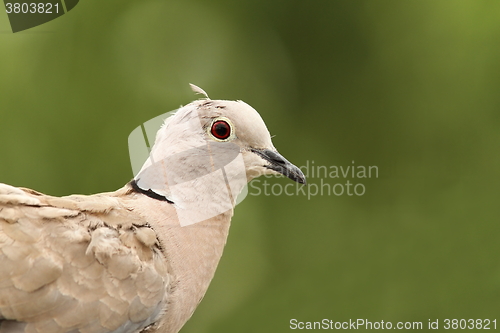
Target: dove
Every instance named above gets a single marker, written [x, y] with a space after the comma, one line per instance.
[141, 258]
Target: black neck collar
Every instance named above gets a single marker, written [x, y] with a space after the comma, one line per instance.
[150, 193]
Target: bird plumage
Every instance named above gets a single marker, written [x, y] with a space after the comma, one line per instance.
[123, 261]
[79, 262]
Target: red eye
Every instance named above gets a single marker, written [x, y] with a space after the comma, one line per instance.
[221, 130]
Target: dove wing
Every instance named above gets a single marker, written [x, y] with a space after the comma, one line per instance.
[77, 264]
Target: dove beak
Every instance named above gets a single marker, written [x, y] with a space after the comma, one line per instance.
[280, 164]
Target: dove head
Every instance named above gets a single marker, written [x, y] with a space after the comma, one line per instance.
[211, 146]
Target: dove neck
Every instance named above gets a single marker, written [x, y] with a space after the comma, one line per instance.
[194, 251]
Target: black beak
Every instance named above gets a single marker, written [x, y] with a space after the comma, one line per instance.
[280, 164]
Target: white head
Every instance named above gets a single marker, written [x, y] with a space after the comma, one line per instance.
[205, 154]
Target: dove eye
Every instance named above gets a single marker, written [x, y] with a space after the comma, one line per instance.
[221, 130]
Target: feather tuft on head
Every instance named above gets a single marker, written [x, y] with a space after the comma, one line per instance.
[198, 90]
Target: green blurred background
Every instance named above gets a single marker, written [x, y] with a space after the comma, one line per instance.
[412, 87]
